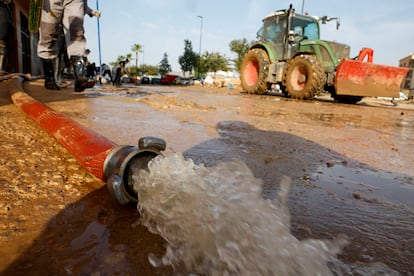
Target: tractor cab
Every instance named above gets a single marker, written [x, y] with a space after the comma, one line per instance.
[284, 30]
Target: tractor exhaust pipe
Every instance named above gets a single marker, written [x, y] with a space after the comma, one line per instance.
[104, 159]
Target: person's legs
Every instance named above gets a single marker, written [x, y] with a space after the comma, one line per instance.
[73, 26]
[60, 59]
[108, 72]
[117, 81]
[47, 48]
[76, 42]
[49, 29]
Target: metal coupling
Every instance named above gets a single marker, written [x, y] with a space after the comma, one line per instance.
[121, 163]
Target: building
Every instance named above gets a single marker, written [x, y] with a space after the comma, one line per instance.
[408, 82]
[22, 44]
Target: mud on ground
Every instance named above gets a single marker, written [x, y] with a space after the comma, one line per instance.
[352, 166]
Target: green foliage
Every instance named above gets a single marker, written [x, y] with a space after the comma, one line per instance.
[213, 62]
[149, 70]
[133, 71]
[189, 58]
[120, 58]
[136, 48]
[199, 70]
[209, 62]
[165, 67]
[115, 63]
[240, 47]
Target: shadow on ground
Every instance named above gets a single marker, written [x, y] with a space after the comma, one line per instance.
[95, 234]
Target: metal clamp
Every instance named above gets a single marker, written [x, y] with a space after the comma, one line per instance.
[121, 162]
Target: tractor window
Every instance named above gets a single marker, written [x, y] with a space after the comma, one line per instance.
[309, 29]
[274, 30]
[259, 33]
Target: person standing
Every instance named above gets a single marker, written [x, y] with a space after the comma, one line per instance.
[69, 13]
[5, 30]
[91, 70]
[117, 73]
[106, 70]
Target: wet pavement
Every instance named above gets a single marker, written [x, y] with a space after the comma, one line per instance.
[351, 168]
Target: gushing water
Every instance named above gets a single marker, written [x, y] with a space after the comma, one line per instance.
[216, 223]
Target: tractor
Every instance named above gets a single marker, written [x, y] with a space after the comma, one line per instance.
[289, 56]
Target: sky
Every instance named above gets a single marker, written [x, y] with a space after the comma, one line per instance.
[161, 26]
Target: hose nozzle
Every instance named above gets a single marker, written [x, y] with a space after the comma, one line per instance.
[120, 162]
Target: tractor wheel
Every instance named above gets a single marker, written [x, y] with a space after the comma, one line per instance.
[304, 77]
[254, 70]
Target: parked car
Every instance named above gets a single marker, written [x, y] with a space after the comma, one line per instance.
[155, 80]
[168, 79]
[183, 81]
[145, 80]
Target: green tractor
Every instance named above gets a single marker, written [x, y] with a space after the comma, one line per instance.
[290, 56]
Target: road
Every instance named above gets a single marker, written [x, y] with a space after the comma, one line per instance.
[351, 168]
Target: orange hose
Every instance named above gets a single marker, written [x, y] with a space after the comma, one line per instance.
[88, 147]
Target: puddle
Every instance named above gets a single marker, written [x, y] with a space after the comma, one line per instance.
[92, 251]
[371, 186]
[216, 222]
[372, 207]
[368, 121]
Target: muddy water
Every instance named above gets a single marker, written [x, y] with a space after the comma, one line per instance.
[351, 171]
[216, 222]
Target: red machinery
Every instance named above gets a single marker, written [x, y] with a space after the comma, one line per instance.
[364, 78]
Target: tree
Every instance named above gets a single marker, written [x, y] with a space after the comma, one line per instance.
[119, 58]
[213, 62]
[240, 47]
[165, 67]
[150, 70]
[188, 59]
[136, 48]
[128, 61]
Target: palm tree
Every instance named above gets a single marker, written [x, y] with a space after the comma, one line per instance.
[136, 48]
[128, 59]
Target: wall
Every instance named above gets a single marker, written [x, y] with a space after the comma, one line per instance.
[22, 57]
[408, 82]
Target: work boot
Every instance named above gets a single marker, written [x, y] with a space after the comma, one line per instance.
[48, 70]
[2, 64]
[57, 71]
[81, 82]
[2, 57]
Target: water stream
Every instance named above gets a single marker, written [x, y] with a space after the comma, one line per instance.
[216, 223]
